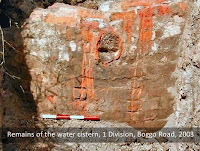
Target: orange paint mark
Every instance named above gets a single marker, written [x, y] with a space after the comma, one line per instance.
[50, 98]
[133, 107]
[120, 49]
[134, 82]
[182, 6]
[68, 33]
[127, 16]
[146, 25]
[163, 10]
[133, 88]
[135, 95]
[68, 21]
[128, 19]
[96, 44]
[83, 108]
[161, 1]
[86, 35]
[73, 91]
[128, 28]
[86, 89]
[139, 91]
[87, 80]
[133, 3]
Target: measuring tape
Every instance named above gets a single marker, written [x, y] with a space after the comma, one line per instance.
[70, 117]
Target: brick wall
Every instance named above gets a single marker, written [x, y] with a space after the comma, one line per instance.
[115, 62]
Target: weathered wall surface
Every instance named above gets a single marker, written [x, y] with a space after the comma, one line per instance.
[115, 62]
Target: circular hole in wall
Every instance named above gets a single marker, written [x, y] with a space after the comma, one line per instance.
[108, 46]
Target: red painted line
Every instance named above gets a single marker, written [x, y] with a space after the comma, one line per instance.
[67, 117]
